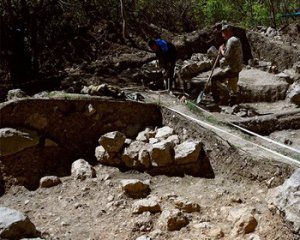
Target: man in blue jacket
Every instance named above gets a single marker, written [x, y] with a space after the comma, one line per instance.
[166, 54]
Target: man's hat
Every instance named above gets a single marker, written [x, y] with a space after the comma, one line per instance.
[226, 27]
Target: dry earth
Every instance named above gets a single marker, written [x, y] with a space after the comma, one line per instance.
[98, 209]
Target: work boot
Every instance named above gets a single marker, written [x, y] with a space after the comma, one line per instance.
[216, 98]
[232, 101]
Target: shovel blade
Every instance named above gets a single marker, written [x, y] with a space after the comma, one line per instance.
[200, 97]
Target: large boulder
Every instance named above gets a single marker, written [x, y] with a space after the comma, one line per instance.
[81, 169]
[162, 154]
[13, 140]
[293, 93]
[187, 152]
[286, 199]
[15, 225]
[112, 141]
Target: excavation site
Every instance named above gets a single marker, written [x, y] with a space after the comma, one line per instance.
[101, 141]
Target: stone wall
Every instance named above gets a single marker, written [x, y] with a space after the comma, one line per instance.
[67, 130]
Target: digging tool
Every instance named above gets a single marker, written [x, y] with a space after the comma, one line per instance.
[201, 94]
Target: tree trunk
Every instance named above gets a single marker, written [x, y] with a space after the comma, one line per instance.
[273, 14]
[124, 24]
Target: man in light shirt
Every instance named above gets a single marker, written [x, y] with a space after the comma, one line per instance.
[233, 53]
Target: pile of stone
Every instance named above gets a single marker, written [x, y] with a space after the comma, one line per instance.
[196, 64]
[157, 151]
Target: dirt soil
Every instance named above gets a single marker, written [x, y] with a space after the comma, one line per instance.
[98, 209]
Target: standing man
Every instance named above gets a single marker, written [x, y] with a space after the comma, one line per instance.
[166, 54]
[233, 54]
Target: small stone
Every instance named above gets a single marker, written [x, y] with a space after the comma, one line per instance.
[173, 220]
[164, 132]
[81, 169]
[216, 233]
[187, 206]
[110, 198]
[64, 224]
[246, 224]
[144, 237]
[135, 188]
[144, 223]
[146, 205]
[254, 237]
[49, 181]
[236, 200]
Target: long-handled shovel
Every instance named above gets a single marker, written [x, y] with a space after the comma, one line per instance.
[201, 94]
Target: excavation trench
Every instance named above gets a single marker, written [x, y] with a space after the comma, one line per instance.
[66, 130]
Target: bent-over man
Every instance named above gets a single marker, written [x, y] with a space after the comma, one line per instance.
[166, 54]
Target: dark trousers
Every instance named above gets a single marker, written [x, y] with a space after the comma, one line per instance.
[168, 74]
[221, 77]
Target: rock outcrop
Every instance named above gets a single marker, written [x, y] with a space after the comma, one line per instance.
[286, 199]
[15, 225]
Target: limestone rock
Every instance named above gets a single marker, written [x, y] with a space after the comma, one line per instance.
[144, 237]
[135, 188]
[286, 199]
[131, 154]
[164, 132]
[173, 139]
[192, 68]
[144, 223]
[212, 52]
[293, 93]
[254, 237]
[49, 181]
[112, 141]
[271, 32]
[146, 205]
[145, 135]
[296, 67]
[16, 94]
[144, 158]
[15, 225]
[13, 140]
[246, 224]
[186, 205]
[216, 233]
[187, 152]
[105, 157]
[161, 154]
[236, 213]
[173, 220]
[81, 169]
[153, 140]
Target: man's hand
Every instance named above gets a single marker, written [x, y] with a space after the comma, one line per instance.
[222, 49]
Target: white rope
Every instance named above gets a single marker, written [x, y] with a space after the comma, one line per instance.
[252, 133]
[219, 129]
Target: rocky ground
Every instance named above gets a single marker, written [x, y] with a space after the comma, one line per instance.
[238, 203]
[97, 208]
